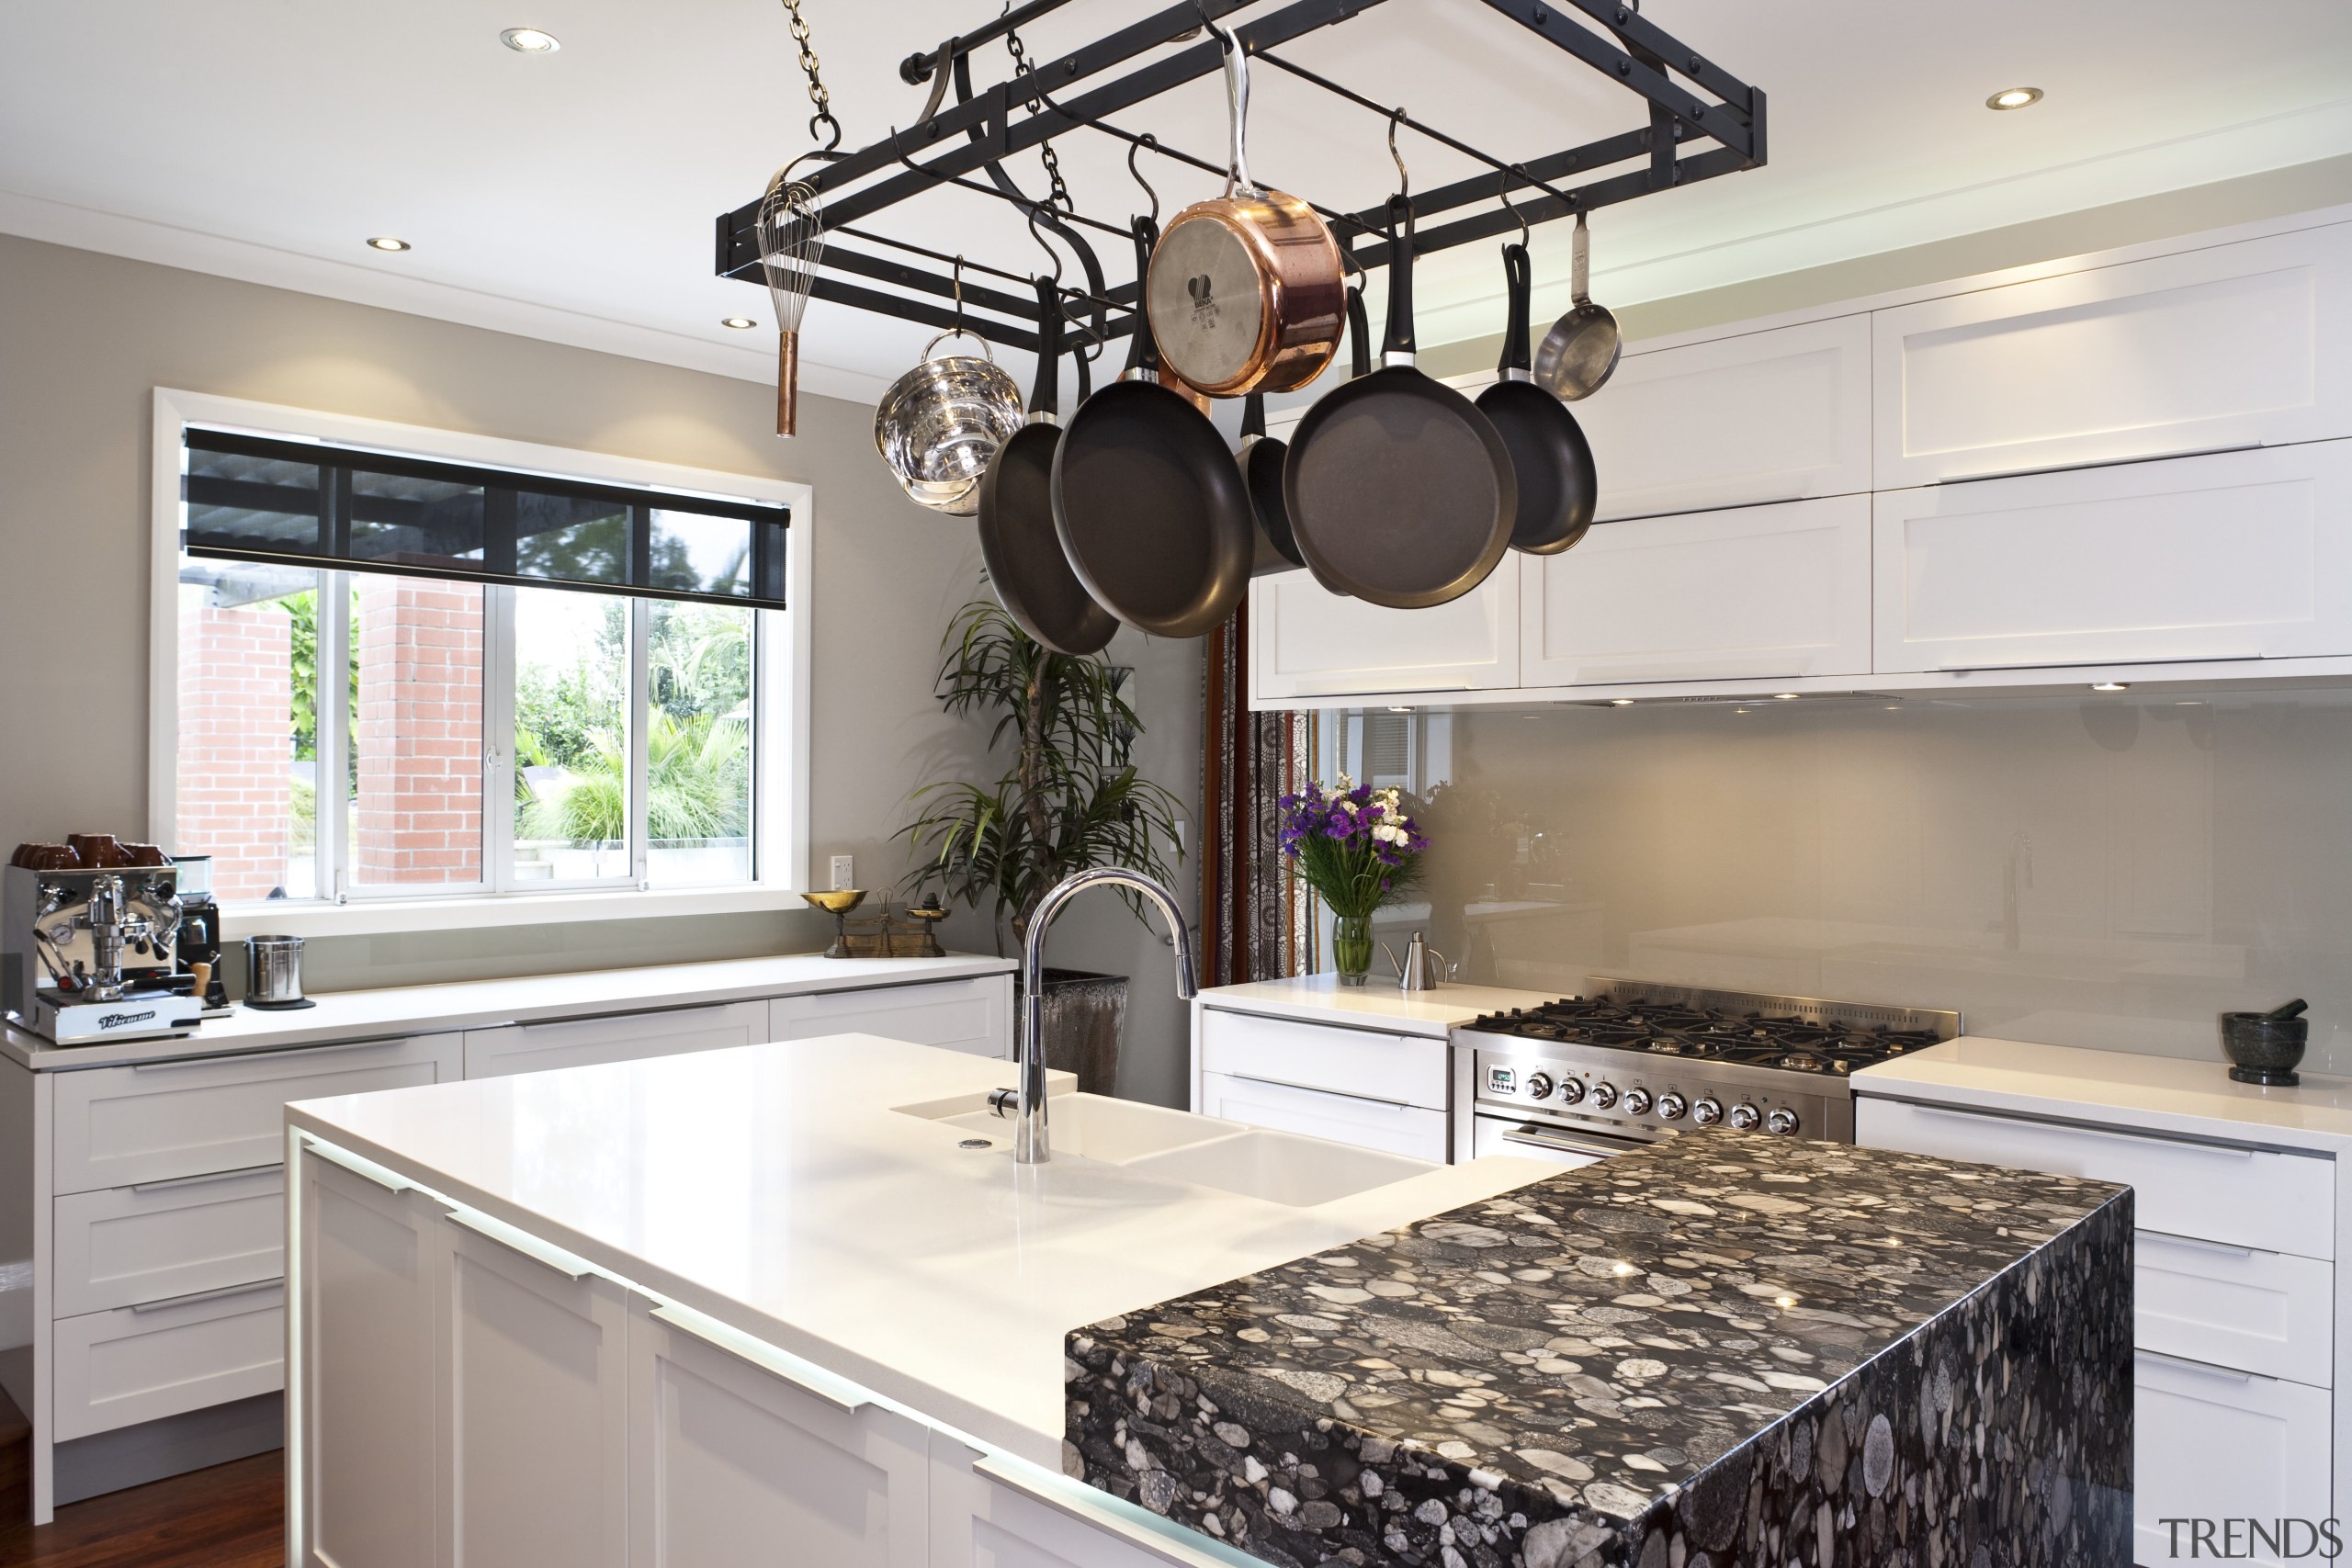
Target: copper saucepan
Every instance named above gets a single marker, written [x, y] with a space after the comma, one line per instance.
[1245, 292]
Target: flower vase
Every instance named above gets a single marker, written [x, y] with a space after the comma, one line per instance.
[1352, 947]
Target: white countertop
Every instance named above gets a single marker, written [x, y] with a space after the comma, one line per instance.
[1320, 999]
[774, 1188]
[475, 1004]
[2154, 1094]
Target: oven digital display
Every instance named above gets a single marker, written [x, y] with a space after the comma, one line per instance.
[1502, 1080]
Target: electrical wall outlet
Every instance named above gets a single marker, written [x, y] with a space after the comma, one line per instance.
[844, 871]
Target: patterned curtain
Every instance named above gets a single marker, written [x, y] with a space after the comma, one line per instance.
[1257, 923]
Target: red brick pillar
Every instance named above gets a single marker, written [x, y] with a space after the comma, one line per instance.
[236, 725]
[418, 732]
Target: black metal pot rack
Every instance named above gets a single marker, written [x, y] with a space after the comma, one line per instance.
[978, 132]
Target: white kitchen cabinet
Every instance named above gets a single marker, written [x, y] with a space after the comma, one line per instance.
[370, 1373]
[734, 1459]
[192, 1116]
[124, 1246]
[2235, 555]
[974, 1015]
[1751, 594]
[142, 1363]
[1407, 1069]
[2268, 1312]
[2229, 1193]
[533, 1441]
[1307, 644]
[1781, 414]
[2240, 345]
[619, 1037]
[1411, 1130]
[2212, 1443]
[991, 1513]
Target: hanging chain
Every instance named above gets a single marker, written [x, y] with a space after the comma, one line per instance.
[1059, 193]
[817, 94]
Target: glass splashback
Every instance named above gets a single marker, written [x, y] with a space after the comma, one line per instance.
[2108, 870]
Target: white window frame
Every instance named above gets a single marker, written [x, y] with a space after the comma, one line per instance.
[782, 645]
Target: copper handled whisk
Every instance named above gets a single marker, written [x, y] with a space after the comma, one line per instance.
[792, 242]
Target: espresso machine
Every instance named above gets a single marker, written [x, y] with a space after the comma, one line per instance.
[90, 952]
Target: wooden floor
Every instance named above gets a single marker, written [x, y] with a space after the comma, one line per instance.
[233, 1515]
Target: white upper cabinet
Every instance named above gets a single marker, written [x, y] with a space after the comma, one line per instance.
[2231, 345]
[2236, 556]
[1777, 415]
[1307, 643]
[1752, 593]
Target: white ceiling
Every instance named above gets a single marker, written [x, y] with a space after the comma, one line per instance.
[571, 197]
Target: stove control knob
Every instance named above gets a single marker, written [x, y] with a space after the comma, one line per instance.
[1637, 1100]
[1571, 1091]
[1744, 1116]
[1671, 1106]
[1781, 1124]
[1708, 1111]
[1539, 1085]
[1604, 1095]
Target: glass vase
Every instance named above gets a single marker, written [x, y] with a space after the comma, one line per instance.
[1352, 947]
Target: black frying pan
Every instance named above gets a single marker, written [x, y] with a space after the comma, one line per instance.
[1261, 470]
[1400, 492]
[1147, 499]
[1549, 455]
[1032, 578]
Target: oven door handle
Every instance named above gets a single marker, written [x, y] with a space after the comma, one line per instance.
[1540, 1137]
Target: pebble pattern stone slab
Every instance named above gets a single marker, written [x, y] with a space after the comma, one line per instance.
[1724, 1349]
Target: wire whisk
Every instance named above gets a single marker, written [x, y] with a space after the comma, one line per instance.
[792, 242]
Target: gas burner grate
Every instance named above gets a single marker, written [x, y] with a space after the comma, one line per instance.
[1796, 1034]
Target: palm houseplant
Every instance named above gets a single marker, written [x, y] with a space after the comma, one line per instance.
[1069, 799]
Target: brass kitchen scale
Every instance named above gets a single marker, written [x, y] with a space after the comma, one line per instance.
[907, 934]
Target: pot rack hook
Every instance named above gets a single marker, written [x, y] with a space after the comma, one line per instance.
[1404, 175]
[959, 292]
[1502, 189]
[1051, 254]
[1134, 147]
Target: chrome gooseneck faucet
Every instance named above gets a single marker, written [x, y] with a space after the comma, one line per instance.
[1030, 1145]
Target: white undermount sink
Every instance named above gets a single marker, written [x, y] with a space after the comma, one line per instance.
[1290, 1168]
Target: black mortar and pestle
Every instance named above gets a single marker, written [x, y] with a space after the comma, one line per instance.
[2266, 1045]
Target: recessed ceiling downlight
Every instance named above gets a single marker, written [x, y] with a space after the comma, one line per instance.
[741, 323]
[386, 243]
[530, 41]
[2110, 686]
[2013, 98]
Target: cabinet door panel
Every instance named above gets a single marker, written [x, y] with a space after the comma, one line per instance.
[534, 1437]
[1342, 1118]
[1775, 415]
[1760, 592]
[161, 1120]
[973, 1015]
[990, 1512]
[2241, 555]
[624, 1037]
[2212, 1444]
[142, 1363]
[730, 1460]
[2232, 345]
[1308, 643]
[2237, 1307]
[1407, 1068]
[369, 1371]
[127, 1245]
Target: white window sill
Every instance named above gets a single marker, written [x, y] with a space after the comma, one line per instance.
[371, 917]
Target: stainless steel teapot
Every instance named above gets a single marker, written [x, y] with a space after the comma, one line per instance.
[1423, 968]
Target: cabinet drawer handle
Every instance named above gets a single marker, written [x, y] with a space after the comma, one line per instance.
[1535, 1138]
[201, 1180]
[1979, 1118]
[1335, 1093]
[2164, 1238]
[1010, 1477]
[549, 1260]
[613, 1017]
[366, 1170]
[2205, 1369]
[194, 1296]
[685, 1323]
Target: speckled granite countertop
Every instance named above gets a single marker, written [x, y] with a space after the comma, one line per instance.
[1571, 1371]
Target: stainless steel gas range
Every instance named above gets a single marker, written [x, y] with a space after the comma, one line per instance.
[1588, 1076]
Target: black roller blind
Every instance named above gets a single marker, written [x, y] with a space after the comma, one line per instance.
[297, 503]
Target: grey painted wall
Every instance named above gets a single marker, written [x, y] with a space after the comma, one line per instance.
[84, 340]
